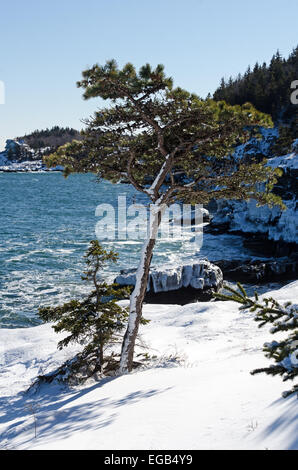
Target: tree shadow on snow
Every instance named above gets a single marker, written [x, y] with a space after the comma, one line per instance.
[285, 426]
[56, 416]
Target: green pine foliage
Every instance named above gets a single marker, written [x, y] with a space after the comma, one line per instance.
[267, 87]
[284, 318]
[49, 138]
[148, 120]
[96, 321]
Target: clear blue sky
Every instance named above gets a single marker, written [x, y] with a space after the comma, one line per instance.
[45, 45]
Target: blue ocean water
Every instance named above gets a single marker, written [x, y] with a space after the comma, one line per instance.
[46, 223]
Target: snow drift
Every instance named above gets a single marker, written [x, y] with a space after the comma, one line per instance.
[197, 394]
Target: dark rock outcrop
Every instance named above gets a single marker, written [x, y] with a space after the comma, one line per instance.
[259, 244]
[259, 271]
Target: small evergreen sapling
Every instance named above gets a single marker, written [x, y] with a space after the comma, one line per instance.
[96, 321]
[283, 318]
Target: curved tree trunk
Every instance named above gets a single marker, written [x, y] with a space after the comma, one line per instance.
[139, 292]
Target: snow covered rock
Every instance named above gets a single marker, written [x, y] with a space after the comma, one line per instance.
[245, 216]
[273, 223]
[20, 157]
[178, 285]
[256, 147]
[286, 162]
[18, 150]
[202, 215]
[3, 159]
[24, 166]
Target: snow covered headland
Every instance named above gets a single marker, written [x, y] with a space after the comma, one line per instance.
[19, 157]
[196, 393]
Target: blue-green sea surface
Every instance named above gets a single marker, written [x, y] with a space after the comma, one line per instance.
[46, 223]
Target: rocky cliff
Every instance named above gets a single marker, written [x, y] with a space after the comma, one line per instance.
[270, 223]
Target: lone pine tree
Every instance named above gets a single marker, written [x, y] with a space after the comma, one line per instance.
[96, 321]
[283, 318]
[151, 129]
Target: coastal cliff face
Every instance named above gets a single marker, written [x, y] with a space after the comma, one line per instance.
[268, 232]
[246, 217]
[270, 223]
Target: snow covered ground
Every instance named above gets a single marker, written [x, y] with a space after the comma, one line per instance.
[206, 399]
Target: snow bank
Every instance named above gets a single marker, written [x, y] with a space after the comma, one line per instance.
[205, 399]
